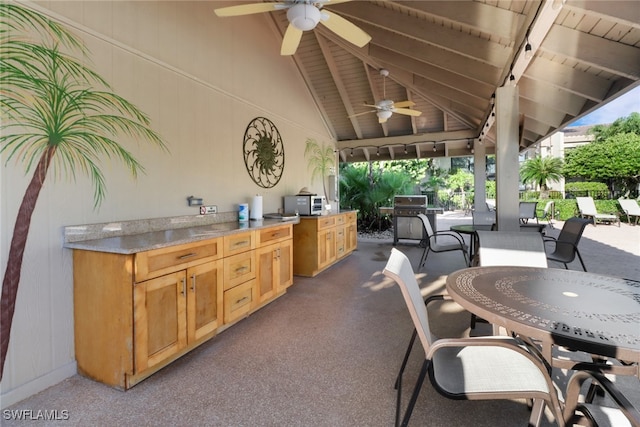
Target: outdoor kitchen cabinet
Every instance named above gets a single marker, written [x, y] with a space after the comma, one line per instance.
[275, 262]
[135, 313]
[320, 241]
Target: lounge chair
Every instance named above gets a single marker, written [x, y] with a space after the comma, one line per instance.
[548, 212]
[587, 209]
[630, 208]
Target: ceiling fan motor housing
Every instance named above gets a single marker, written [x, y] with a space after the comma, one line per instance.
[304, 16]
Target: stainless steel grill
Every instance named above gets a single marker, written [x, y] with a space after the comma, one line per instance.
[406, 225]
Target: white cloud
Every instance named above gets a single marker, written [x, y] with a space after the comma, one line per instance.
[620, 107]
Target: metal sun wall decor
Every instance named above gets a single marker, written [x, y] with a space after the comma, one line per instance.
[263, 152]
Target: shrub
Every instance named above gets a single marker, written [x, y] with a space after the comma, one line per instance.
[597, 190]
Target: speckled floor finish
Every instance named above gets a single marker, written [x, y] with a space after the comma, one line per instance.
[324, 354]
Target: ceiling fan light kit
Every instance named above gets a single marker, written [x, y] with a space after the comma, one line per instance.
[303, 16]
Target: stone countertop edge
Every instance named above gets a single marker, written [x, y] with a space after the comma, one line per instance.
[145, 241]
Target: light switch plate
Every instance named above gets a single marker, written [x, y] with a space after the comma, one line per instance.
[205, 210]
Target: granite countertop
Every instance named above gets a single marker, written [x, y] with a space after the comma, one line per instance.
[140, 242]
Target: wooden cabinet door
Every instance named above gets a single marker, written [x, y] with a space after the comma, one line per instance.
[204, 299]
[266, 272]
[351, 238]
[326, 247]
[285, 266]
[159, 318]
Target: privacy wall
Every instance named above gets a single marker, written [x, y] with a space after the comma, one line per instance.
[201, 79]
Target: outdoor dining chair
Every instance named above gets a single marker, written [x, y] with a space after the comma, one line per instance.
[630, 208]
[566, 244]
[434, 241]
[587, 209]
[579, 411]
[528, 211]
[476, 368]
[497, 248]
[483, 217]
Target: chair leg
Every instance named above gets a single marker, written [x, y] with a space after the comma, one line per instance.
[406, 358]
[423, 259]
[581, 262]
[414, 396]
[536, 412]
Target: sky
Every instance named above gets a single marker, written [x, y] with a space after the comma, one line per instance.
[620, 107]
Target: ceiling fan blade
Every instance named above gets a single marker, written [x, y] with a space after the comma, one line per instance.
[332, 2]
[369, 105]
[345, 29]
[407, 111]
[403, 104]
[291, 40]
[248, 9]
[361, 114]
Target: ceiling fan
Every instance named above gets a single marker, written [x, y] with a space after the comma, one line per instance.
[386, 107]
[303, 15]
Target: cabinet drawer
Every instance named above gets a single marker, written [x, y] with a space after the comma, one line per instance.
[341, 219]
[238, 243]
[162, 261]
[351, 217]
[238, 301]
[275, 234]
[239, 268]
[326, 222]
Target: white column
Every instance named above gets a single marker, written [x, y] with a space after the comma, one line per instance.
[479, 176]
[507, 167]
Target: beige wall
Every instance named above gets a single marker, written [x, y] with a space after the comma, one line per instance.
[201, 79]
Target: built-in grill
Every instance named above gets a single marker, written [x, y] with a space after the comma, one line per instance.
[406, 224]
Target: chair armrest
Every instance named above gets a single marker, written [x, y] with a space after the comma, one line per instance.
[573, 393]
[453, 234]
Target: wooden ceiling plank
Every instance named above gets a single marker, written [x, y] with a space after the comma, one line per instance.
[598, 52]
[582, 84]
[433, 73]
[447, 38]
[483, 17]
[621, 11]
[342, 91]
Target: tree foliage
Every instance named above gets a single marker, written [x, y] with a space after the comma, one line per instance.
[541, 170]
[367, 187]
[613, 157]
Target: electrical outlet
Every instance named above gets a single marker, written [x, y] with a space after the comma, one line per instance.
[205, 210]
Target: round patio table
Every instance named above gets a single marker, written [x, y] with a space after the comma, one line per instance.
[596, 314]
[470, 229]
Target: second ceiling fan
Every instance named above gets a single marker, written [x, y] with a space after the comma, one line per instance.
[303, 15]
[385, 108]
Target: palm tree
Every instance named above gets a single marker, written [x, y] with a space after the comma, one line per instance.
[54, 114]
[541, 170]
[321, 160]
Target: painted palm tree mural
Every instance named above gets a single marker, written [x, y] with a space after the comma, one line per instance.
[56, 114]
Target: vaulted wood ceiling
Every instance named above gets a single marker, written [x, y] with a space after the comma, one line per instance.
[450, 56]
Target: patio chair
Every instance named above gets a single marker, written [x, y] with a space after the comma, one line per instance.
[577, 412]
[566, 244]
[434, 241]
[476, 368]
[630, 208]
[548, 212]
[528, 211]
[587, 209]
[484, 217]
[497, 248]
